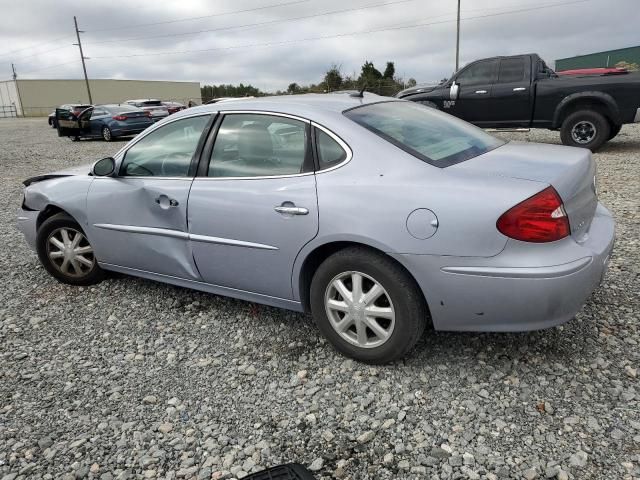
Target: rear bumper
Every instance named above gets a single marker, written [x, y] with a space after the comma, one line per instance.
[129, 130]
[467, 294]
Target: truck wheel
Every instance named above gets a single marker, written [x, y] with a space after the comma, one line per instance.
[615, 130]
[586, 129]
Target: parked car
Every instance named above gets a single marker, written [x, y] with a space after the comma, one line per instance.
[376, 215]
[521, 91]
[173, 107]
[75, 108]
[102, 121]
[156, 109]
[594, 71]
[225, 99]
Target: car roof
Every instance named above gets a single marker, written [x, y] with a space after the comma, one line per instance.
[302, 105]
[144, 100]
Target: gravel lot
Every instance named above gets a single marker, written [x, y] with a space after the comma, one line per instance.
[135, 379]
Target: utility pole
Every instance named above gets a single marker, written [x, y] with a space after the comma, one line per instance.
[83, 58]
[15, 81]
[457, 38]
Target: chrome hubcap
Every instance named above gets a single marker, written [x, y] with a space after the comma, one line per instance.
[583, 132]
[359, 309]
[70, 252]
[106, 133]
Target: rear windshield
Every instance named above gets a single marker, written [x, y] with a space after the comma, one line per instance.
[432, 136]
[121, 108]
[152, 103]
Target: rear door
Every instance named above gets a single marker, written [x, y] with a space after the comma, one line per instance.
[253, 205]
[138, 219]
[474, 94]
[511, 95]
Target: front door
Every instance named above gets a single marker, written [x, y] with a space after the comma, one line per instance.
[253, 205]
[70, 125]
[474, 94]
[138, 219]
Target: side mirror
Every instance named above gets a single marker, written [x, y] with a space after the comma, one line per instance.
[104, 168]
[453, 91]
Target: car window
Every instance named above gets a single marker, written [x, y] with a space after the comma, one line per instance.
[426, 133]
[511, 70]
[477, 74]
[167, 151]
[330, 152]
[98, 111]
[250, 145]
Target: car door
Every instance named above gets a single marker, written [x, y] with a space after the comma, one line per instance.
[70, 125]
[511, 94]
[98, 115]
[253, 205]
[474, 92]
[138, 218]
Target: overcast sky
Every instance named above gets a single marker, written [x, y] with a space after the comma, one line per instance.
[286, 48]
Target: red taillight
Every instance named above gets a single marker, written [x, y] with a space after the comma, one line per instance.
[538, 219]
[120, 118]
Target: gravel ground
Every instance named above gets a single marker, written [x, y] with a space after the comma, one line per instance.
[135, 379]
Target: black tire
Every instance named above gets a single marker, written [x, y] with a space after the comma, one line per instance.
[615, 130]
[106, 134]
[75, 138]
[51, 227]
[590, 127]
[406, 299]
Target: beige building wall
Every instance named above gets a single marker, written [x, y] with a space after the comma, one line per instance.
[40, 97]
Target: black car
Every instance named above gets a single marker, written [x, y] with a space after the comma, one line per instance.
[76, 108]
[522, 92]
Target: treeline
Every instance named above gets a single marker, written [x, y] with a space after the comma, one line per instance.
[372, 79]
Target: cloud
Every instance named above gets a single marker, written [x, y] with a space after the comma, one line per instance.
[274, 55]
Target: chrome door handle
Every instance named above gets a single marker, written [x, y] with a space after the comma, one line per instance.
[166, 202]
[481, 92]
[519, 89]
[291, 210]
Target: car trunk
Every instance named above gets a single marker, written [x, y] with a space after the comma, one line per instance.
[571, 171]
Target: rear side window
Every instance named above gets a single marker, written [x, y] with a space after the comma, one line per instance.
[511, 70]
[432, 136]
[480, 73]
[330, 152]
[167, 151]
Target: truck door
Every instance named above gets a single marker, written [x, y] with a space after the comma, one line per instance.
[511, 95]
[474, 92]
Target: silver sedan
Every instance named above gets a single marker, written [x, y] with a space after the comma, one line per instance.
[378, 216]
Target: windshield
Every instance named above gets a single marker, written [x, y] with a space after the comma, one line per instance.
[430, 135]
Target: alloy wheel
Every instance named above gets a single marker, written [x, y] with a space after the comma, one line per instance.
[70, 252]
[106, 134]
[359, 309]
[583, 132]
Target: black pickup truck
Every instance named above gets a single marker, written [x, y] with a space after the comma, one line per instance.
[522, 92]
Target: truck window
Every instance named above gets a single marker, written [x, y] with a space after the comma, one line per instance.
[511, 70]
[480, 73]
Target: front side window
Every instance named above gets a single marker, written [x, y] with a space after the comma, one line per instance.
[426, 133]
[480, 73]
[253, 145]
[167, 151]
[330, 153]
[511, 70]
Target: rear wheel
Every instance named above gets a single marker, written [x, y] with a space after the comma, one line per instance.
[65, 251]
[585, 128]
[106, 134]
[367, 306]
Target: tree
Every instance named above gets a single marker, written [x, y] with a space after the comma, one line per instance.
[333, 78]
[293, 88]
[370, 75]
[411, 82]
[389, 72]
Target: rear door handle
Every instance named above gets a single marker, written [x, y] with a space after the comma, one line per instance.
[291, 210]
[519, 89]
[481, 92]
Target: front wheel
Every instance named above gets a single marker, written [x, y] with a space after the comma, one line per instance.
[106, 134]
[65, 251]
[615, 130]
[585, 128]
[367, 306]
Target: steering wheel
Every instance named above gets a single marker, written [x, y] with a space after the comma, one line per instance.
[173, 163]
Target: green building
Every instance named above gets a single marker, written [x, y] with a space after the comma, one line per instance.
[601, 59]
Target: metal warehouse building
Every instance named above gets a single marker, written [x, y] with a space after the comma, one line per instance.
[34, 98]
[600, 59]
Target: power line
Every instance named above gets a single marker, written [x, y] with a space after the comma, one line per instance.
[324, 37]
[265, 7]
[256, 24]
[49, 66]
[34, 46]
[46, 51]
